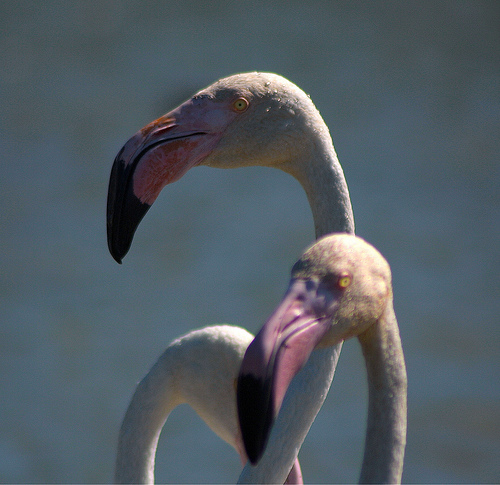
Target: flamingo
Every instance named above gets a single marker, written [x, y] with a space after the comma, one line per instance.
[250, 119]
[340, 288]
[200, 369]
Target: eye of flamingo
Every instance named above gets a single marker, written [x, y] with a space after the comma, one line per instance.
[240, 105]
[344, 280]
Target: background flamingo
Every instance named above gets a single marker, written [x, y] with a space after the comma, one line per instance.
[200, 369]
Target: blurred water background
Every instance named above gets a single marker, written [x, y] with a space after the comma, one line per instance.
[411, 93]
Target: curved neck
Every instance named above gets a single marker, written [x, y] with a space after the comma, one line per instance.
[319, 172]
[153, 401]
[387, 387]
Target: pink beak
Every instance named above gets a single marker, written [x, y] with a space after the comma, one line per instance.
[278, 352]
[157, 155]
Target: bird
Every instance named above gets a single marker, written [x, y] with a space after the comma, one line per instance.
[200, 369]
[247, 119]
[340, 288]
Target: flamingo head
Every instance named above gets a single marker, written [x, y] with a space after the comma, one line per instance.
[338, 289]
[243, 120]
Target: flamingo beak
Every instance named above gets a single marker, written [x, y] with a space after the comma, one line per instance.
[276, 355]
[157, 155]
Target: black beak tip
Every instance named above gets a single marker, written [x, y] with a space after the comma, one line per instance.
[124, 213]
[120, 236]
[116, 256]
[118, 241]
[255, 414]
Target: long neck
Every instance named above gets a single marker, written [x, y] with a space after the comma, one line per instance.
[387, 385]
[319, 172]
[149, 408]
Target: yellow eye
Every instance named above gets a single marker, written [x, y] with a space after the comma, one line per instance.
[344, 280]
[240, 105]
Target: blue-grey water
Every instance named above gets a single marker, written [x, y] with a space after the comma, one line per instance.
[411, 93]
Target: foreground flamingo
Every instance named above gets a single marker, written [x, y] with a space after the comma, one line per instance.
[199, 369]
[340, 288]
[243, 120]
